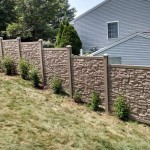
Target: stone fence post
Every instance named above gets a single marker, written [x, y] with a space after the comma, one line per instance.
[106, 83]
[19, 46]
[69, 48]
[41, 61]
[1, 47]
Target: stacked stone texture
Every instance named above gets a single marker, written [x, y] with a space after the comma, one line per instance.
[31, 52]
[134, 84]
[88, 76]
[11, 49]
[56, 64]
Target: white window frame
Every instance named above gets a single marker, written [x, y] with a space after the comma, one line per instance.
[107, 29]
[111, 58]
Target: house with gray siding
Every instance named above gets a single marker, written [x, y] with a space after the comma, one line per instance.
[121, 25]
[131, 50]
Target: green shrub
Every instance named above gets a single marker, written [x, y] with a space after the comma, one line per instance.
[95, 101]
[24, 68]
[77, 97]
[67, 35]
[56, 85]
[8, 66]
[48, 44]
[34, 77]
[121, 108]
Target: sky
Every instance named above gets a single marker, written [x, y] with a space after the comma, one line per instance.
[83, 5]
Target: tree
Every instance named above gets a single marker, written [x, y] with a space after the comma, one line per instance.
[33, 17]
[63, 23]
[63, 12]
[7, 14]
[67, 35]
[39, 18]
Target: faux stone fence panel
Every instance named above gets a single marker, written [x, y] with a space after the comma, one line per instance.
[88, 76]
[134, 84]
[30, 51]
[11, 49]
[55, 62]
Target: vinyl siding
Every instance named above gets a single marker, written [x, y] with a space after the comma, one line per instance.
[132, 15]
[135, 51]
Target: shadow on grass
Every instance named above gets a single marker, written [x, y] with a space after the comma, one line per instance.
[10, 75]
[62, 93]
[80, 103]
[99, 109]
[40, 87]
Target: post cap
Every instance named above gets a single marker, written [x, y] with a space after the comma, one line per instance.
[40, 40]
[18, 38]
[68, 46]
[105, 54]
[1, 38]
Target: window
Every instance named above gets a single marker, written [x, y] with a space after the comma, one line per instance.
[115, 60]
[112, 30]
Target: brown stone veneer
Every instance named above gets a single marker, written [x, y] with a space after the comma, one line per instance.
[134, 84]
[31, 52]
[56, 63]
[10, 49]
[87, 76]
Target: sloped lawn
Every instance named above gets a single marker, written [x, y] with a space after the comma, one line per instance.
[32, 119]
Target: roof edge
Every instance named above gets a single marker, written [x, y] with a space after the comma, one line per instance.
[119, 42]
[90, 10]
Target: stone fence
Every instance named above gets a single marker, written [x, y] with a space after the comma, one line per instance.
[86, 74]
[134, 83]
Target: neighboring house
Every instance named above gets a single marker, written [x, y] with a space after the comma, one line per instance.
[132, 50]
[111, 21]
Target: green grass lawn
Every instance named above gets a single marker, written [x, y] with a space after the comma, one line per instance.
[32, 119]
